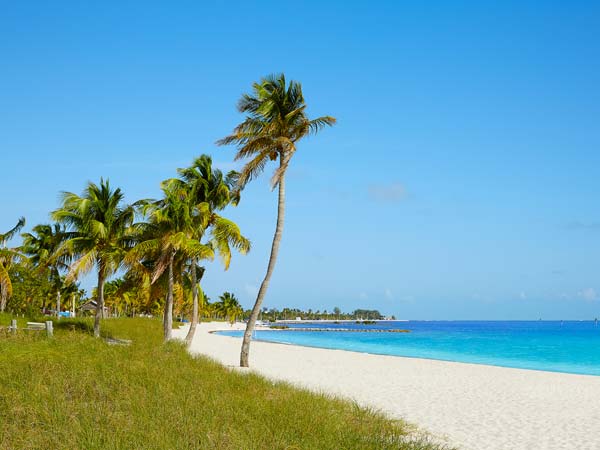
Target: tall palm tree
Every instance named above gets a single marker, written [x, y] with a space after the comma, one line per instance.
[209, 191]
[101, 225]
[275, 122]
[7, 257]
[42, 245]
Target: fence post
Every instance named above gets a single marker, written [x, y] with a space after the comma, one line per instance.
[49, 329]
[13, 326]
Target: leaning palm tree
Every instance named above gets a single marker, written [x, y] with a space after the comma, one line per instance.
[7, 257]
[42, 245]
[209, 191]
[101, 226]
[276, 121]
[168, 234]
[173, 234]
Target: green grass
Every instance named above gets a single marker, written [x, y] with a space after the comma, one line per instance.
[77, 392]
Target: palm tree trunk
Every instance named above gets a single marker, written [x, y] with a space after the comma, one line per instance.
[245, 353]
[58, 304]
[99, 302]
[168, 318]
[194, 323]
[3, 299]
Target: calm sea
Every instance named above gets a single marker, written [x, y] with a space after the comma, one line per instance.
[569, 346]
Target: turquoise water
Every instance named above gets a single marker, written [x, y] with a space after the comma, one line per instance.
[569, 346]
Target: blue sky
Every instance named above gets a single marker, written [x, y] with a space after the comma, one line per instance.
[462, 180]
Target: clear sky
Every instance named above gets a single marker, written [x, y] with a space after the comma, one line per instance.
[462, 180]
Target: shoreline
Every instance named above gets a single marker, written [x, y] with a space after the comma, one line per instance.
[472, 406]
[215, 332]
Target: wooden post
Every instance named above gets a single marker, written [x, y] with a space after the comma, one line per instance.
[49, 328]
[13, 326]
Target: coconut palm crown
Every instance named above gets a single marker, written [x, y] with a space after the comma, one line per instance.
[101, 225]
[275, 121]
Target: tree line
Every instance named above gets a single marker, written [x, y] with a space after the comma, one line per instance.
[274, 314]
[160, 244]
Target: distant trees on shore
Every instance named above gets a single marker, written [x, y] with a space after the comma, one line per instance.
[273, 314]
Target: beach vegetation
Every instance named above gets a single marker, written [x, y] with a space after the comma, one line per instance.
[229, 307]
[170, 241]
[8, 256]
[77, 392]
[42, 246]
[99, 226]
[210, 191]
[286, 313]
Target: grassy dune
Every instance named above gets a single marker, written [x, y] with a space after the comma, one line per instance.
[77, 392]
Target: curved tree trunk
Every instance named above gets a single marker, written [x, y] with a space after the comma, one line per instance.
[194, 323]
[245, 353]
[99, 302]
[168, 317]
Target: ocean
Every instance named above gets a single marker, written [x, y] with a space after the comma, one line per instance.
[557, 346]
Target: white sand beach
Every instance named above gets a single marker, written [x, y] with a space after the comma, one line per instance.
[474, 407]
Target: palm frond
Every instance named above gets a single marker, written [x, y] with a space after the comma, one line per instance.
[253, 168]
[4, 237]
[319, 123]
[82, 265]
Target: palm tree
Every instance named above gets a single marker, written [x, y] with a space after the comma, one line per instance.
[179, 222]
[337, 311]
[169, 233]
[101, 226]
[42, 246]
[210, 191]
[229, 307]
[7, 257]
[276, 120]
[168, 238]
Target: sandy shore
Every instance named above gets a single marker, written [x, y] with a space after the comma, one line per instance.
[474, 407]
